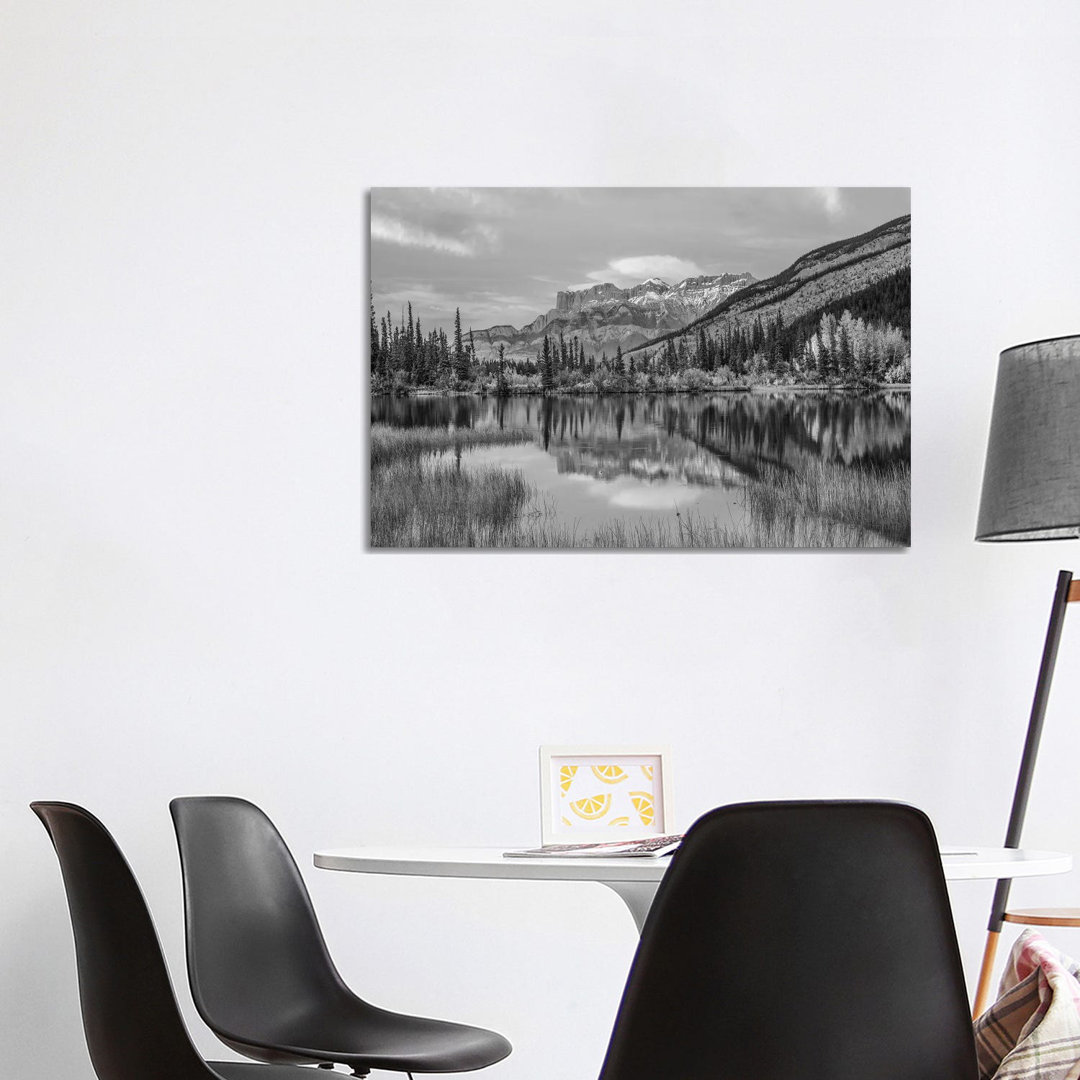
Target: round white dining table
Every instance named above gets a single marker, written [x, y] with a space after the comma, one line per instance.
[636, 879]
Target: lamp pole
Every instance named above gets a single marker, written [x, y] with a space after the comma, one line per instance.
[1062, 595]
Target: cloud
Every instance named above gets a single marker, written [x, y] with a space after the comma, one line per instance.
[498, 299]
[635, 268]
[661, 497]
[421, 296]
[479, 308]
[489, 200]
[832, 200]
[476, 238]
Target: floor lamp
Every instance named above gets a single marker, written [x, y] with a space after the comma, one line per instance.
[1031, 491]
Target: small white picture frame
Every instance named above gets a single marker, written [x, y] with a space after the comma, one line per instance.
[596, 793]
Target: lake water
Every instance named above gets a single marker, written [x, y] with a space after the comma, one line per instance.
[648, 456]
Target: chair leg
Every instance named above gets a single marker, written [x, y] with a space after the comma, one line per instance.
[982, 992]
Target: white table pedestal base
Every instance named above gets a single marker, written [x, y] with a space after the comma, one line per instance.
[637, 896]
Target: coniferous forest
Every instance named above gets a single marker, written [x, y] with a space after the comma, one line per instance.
[859, 341]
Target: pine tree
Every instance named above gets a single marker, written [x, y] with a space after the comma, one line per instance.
[383, 348]
[671, 359]
[373, 339]
[845, 359]
[409, 346]
[444, 355]
[461, 363]
[420, 373]
[683, 354]
[825, 362]
[500, 385]
[547, 376]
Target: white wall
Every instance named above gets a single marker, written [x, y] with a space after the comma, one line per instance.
[186, 604]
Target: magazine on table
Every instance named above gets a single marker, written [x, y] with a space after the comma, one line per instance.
[649, 847]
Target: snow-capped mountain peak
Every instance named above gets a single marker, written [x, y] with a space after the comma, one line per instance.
[605, 316]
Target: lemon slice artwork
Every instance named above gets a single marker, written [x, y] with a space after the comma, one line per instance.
[609, 774]
[624, 820]
[592, 808]
[643, 804]
[566, 777]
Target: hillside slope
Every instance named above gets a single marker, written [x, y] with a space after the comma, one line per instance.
[814, 282]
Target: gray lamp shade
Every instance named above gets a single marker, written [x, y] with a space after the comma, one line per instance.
[1031, 484]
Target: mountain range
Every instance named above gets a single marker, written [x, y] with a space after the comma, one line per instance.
[605, 316]
[814, 282]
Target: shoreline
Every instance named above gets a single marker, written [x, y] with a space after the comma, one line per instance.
[762, 388]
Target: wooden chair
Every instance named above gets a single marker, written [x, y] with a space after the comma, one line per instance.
[1050, 916]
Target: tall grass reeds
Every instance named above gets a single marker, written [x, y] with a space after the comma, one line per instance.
[390, 445]
[823, 504]
[424, 495]
[432, 505]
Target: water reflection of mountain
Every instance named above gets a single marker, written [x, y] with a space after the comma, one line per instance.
[652, 461]
[710, 438]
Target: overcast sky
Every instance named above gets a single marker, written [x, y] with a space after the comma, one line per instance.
[501, 254]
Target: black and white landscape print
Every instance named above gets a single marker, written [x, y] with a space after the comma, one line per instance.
[640, 367]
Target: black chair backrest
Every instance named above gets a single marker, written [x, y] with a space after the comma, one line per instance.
[132, 1022]
[255, 951]
[798, 941]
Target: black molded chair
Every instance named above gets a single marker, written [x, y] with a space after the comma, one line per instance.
[133, 1026]
[260, 972]
[798, 941]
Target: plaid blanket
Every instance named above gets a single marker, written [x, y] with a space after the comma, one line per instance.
[1032, 1031]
